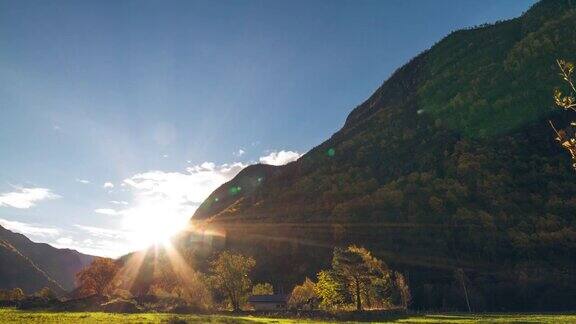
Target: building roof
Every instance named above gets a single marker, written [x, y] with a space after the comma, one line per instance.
[268, 299]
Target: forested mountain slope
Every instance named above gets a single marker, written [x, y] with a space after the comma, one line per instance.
[449, 164]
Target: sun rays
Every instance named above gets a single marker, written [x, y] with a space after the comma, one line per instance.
[163, 259]
[172, 255]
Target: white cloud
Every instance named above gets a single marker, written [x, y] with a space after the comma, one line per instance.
[101, 232]
[280, 158]
[96, 241]
[117, 202]
[26, 197]
[106, 211]
[162, 202]
[102, 248]
[93, 240]
[239, 153]
[29, 229]
[104, 241]
[182, 188]
[83, 181]
[65, 241]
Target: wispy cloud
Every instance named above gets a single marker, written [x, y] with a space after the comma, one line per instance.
[190, 187]
[280, 158]
[95, 241]
[87, 239]
[161, 204]
[26, 197]
[102, 232]
[239, 153]
[32, 230]
[103, 241]
[103, 248]
[119, 202]
[106, 211]
[64, 241]
[83, 181]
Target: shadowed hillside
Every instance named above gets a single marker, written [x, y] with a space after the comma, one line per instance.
[17, 271]
[450, 164]
[33, 266]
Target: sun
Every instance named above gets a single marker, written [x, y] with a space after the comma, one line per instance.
[155, 224]
[150, 232]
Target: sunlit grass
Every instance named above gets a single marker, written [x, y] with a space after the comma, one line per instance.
[15, 316]
[8, 315]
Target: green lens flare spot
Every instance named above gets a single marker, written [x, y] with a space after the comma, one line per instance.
[331, 152]
[234, 190]
[216, 199]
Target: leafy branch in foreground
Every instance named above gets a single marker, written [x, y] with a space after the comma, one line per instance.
[566, 102]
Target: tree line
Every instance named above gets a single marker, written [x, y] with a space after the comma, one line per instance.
[17, 294]
[356, 281]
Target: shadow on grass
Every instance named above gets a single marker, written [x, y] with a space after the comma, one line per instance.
[342, 316]
[213, 319]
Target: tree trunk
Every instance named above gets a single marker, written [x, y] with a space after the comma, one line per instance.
[358, 299]
[234, 301]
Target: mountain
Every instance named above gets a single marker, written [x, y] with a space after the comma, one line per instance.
[450, 164]
[17, 271]
[32, 266]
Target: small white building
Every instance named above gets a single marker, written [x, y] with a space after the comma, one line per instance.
[268, 302]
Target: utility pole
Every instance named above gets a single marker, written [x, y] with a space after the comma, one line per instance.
[460, 276]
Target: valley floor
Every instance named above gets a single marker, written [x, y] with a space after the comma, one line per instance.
[8, 315]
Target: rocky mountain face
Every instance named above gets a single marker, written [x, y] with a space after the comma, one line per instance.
[449, 165]
[32, 266]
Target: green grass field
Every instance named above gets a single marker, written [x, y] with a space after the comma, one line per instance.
[8, 315]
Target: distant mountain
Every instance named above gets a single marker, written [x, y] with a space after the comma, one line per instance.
[17, 271]
[32, 266]
[449, 164]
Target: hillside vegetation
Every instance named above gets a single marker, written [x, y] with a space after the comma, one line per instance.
[449, 165]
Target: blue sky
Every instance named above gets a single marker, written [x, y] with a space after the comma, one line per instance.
[119, 117]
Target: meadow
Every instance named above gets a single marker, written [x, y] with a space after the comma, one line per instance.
[10, 315]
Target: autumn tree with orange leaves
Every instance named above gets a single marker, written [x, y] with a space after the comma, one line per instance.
[96, 278]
